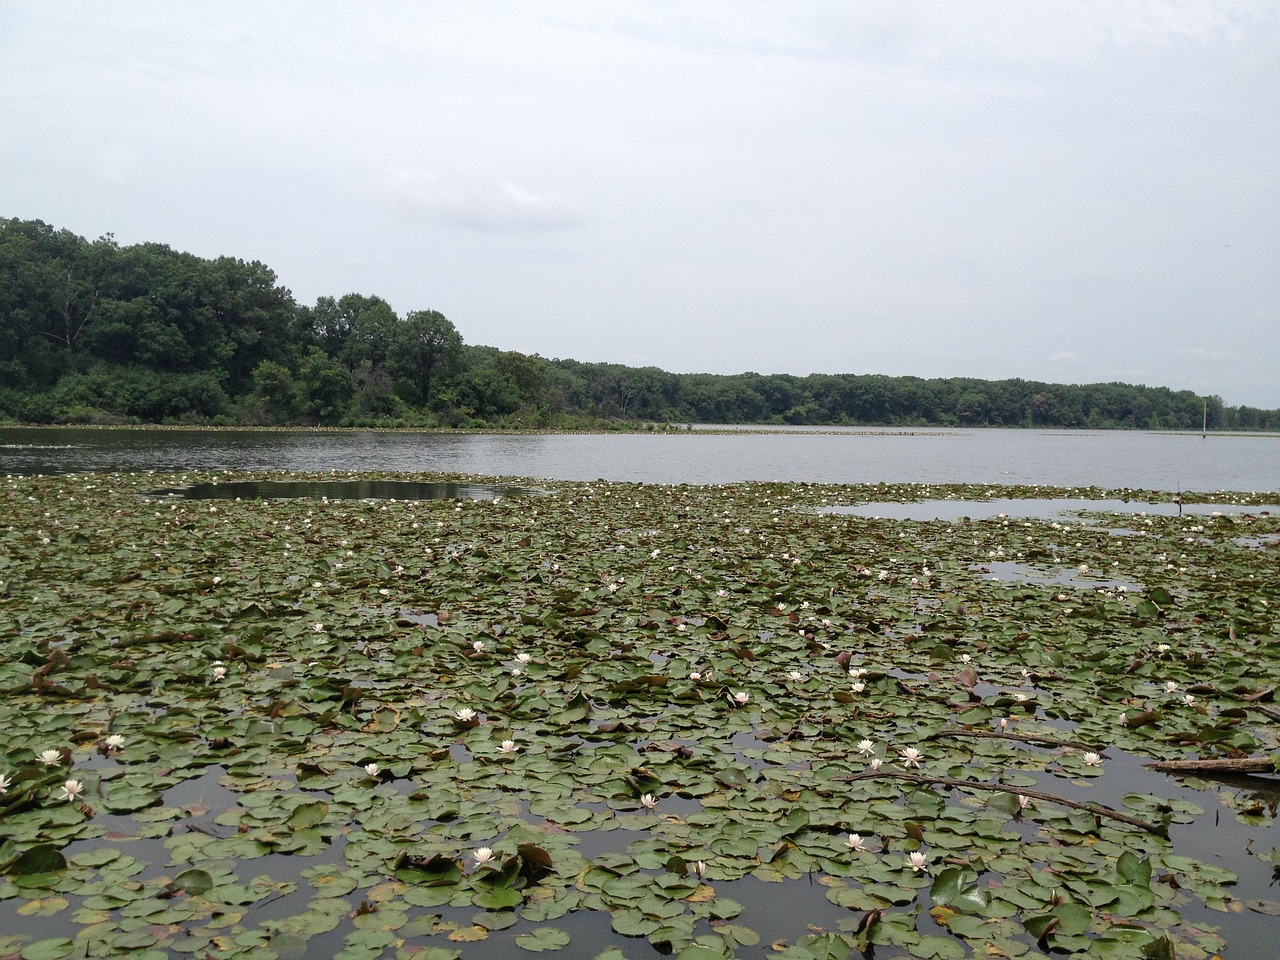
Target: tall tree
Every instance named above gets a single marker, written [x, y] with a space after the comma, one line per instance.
[428, 347]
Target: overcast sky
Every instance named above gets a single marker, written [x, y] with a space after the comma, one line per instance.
[1062, 190]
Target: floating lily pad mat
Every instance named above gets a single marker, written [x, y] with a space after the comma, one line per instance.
[1031, 508]
[343, 490]
[627, 720]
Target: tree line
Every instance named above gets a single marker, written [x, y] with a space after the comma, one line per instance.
[96, 332]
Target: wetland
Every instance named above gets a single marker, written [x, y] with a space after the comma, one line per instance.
[624, 719]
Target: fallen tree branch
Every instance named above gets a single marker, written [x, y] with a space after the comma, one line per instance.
[1022, 737]
[1267, 712]
[1220, 765]
[1097, 809]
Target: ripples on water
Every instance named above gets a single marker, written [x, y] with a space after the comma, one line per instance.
[1160, 461]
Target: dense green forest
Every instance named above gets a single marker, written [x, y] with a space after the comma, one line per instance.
[93, 332]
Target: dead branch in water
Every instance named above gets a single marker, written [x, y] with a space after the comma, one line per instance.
[1097, 809]
[1022, 737]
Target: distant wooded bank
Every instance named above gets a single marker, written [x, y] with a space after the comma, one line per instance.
[93, 332]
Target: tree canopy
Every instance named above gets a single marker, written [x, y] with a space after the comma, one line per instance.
[94, 332]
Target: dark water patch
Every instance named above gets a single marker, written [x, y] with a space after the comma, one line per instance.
[343, 490]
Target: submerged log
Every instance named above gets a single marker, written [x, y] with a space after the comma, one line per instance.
[1221, 765]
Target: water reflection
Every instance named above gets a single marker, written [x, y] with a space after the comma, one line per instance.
[1007, 571]
[1120, 458]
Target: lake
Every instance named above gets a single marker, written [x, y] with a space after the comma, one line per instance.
[1110, 459]
[329, 713]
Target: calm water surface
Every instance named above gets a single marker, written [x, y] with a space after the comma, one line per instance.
[1159, 461]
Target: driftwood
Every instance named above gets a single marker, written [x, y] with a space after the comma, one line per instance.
[1221, 765]
[1267, 712]
[1097, 809]
[1022, 737]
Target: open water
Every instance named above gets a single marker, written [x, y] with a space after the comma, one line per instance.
[1109, 459]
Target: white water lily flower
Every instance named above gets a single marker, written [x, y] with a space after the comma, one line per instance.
[740, 698]
[465, 714]
[1023, 802]
[4, 784]
[648, 801]
[524, 657]
[695, 676]
[371, 769]
[1163, 648]
[508, 746]
[858, 686]
[1092, 759]
[318, 627]
[965, 658]
[483, 856]
[856, 843]
[866, 747]
[875, 763]
[917, 862]
[50, 757]
[478, 646]
[1189, 700]
[71, 789]
[911, 757]
[795, 675]
[114, 742]
[699, 869]
[218, 673]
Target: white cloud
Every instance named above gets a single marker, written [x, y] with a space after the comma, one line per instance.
[489, 207]
[1199, 353]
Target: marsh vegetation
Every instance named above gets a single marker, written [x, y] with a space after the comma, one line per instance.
[712, 721]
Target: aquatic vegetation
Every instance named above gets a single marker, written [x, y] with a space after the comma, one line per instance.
[707, 719]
